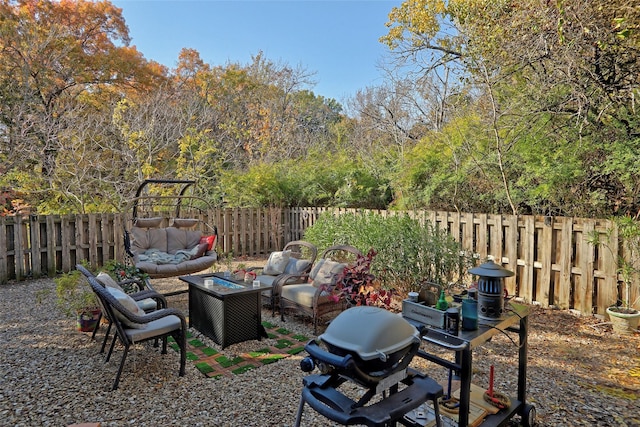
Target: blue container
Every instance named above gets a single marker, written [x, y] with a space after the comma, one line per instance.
[469, 314]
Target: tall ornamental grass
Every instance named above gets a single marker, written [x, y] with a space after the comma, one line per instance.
[410, 252]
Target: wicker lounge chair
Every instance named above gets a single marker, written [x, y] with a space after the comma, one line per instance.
[148, 300]
[137, 327]
[313, 298]
[291, 265]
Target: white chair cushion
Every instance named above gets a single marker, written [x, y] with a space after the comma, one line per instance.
[303, 294]
[107, 281]
[158, 327]
[276, 263]
[326, 273]
[131, 305]
[296, 266]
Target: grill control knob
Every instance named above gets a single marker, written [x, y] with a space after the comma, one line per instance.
[307, 364]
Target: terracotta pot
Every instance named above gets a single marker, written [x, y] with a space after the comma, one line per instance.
[624, 323]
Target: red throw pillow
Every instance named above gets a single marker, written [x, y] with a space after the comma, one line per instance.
[209, 240]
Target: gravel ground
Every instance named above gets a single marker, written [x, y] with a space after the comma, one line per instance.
[51, 375]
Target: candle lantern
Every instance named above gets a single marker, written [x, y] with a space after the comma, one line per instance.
[490, 289]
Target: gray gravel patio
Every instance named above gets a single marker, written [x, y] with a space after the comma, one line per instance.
[52, 375]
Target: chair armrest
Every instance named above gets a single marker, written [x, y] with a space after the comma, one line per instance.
[255, 269]
[160, 299]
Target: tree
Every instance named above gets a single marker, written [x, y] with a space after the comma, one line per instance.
[55, 57]
[532, 67]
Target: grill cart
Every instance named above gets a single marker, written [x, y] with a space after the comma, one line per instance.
[514, 319]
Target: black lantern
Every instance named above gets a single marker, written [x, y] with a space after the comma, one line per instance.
[490, 289]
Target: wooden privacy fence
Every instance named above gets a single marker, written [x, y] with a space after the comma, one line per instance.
[553, 261]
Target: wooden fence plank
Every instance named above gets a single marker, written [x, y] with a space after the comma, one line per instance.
[105, 231]
[19, 248]
[92, 238]
[565, 256]
[467, 231]
[453, 219]
[35, 243]
[583, 294]
[544, 253]
[4, 249]
[482, 235]
[80, 238]
[527, 251]
[510, 253]
[496, 234]
[51, 244]
[227, 227]
[66, 231]
[607, 288]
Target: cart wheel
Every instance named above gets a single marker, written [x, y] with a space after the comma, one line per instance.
[529, 416]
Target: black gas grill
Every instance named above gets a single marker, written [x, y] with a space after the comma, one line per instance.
[369, 348]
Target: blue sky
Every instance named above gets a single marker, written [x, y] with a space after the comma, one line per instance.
[337, 39]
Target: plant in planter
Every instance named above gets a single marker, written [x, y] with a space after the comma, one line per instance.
[130, 278]
[226, 261]
[624, 316]
[359, 287]
[75, 298]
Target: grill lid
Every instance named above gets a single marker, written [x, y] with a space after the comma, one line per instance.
[370, 332]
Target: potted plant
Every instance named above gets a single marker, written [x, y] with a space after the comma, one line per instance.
[623, 314]
[75, 299]
[130, 278]
[358, 286]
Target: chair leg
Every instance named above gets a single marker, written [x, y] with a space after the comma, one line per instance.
[436, 411]
[93, 335]
[273, 305]
[164, 345]
[113, 344]
[182, 336]
[124, 356]
[106, 336]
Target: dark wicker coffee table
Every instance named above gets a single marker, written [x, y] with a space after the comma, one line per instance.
[228, 312]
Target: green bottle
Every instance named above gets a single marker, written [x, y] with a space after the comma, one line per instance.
[442, 304]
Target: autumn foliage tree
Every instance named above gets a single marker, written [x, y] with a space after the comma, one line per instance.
[56, 59]
[490, 106]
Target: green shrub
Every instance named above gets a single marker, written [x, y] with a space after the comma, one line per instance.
[73, 295]
[410, 252]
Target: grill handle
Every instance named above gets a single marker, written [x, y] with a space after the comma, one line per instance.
[444, 340]
[315, 351]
